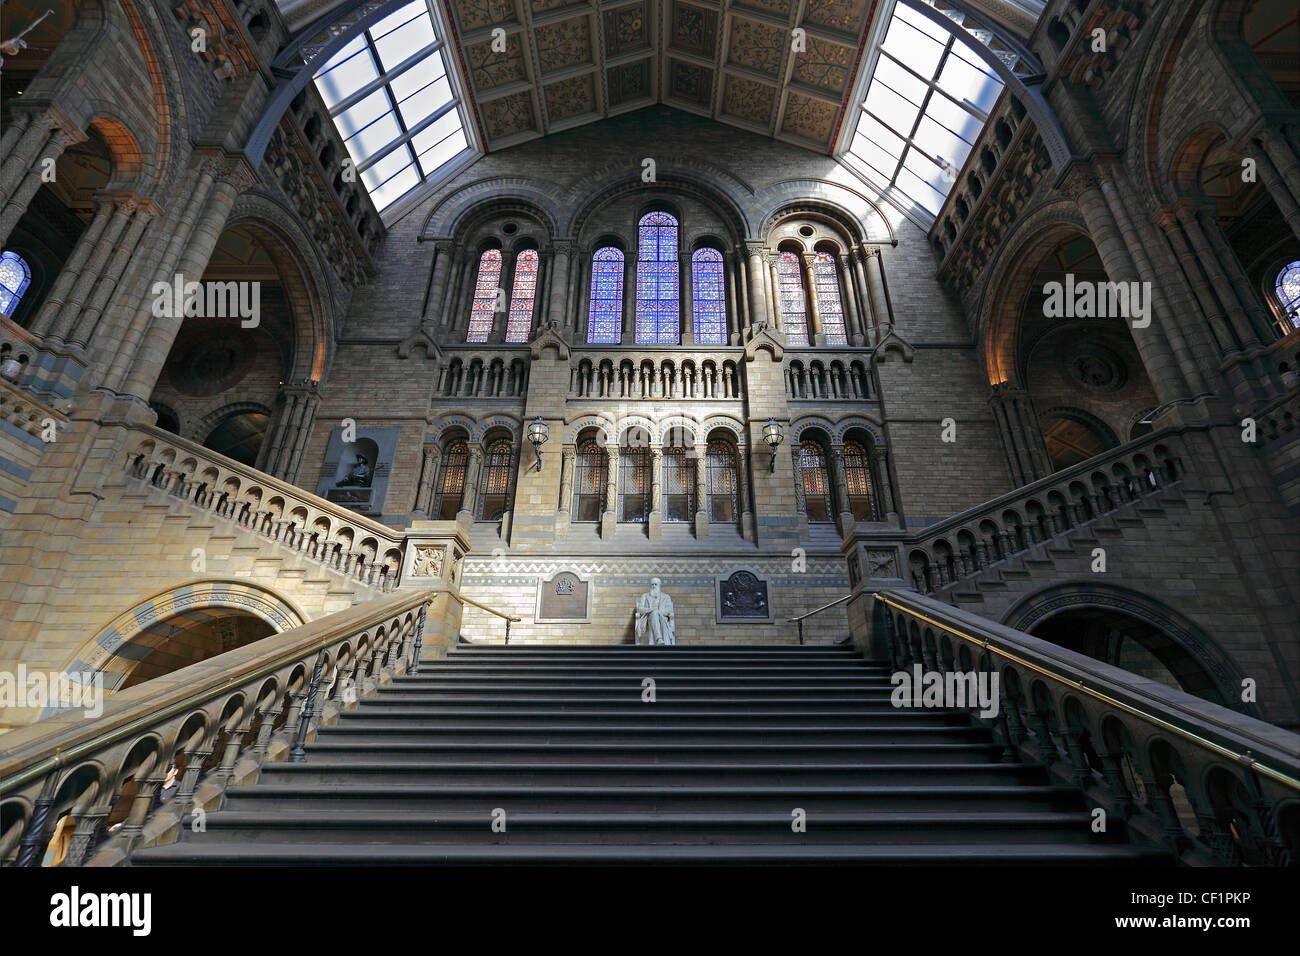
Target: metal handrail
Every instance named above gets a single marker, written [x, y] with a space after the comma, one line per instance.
[491, 610]
[1245, 759]
[799, 620]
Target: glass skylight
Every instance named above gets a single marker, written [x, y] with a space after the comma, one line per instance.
[392, 101]
[927, 100]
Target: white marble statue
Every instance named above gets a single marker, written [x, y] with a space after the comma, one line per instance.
[654, 616]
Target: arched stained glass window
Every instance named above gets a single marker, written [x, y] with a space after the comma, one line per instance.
[496, 480]
[1288, 292]
[708, 297]
[451, 480]
[679, 485]
[485, 296]
[816, 482]
[794, 318]
[589, 480]
[15, 276]
[657, 280]
[857, 473]
[520, 322]
[605, 314]
[826, 286]
[720, 480]
[634, 484]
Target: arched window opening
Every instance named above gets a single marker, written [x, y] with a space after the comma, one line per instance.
[520, 322]
[1288, 293]
[679, 485]
[816, 482]
[826, 285]
[708, 297]
[720, 481]
[589, 482]
[857, 475]
[657, 280]
[485, 296]
[15, 277]
[634, 484]
[239, 436]
[451, 483]
[496, 480]
[605, 314]
[794, 319]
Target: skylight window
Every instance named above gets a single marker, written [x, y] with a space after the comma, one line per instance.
[926, 102]
[394, 105]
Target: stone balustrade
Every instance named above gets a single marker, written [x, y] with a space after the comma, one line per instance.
[330, 534]
[482, 375]
[942, 554]
[816, 376]
[1210, 785]
[98, 781]
[631, 375]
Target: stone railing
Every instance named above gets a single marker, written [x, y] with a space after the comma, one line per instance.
[27, 413]
[482, 375]
[985, 536]
[339, 539]
[91, 790]
[815, 376]
[632, 376]
[1277, 419]
[1212, 786]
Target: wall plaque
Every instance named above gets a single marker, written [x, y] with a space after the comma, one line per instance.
[742, 597]
[565, 598]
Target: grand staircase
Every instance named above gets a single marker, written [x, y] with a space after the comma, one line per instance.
[553, 754]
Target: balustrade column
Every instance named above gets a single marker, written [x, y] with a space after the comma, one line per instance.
[44, 321]
[428, 479]
[20, 176]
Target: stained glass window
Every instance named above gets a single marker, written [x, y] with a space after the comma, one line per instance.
[1288, 292]
[15, 276]
[708, 297]
[634, 484]
[605, 315]
[485, 296]
[794, 319]
[451, 482]
[826, 285]
[657, 280]
[857, 473]
[496, 480]
[520, 322]
[679, 485]
[721, 481]
[589, 481]
[816, 482]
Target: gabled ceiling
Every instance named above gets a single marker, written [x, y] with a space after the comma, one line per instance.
[569, 63]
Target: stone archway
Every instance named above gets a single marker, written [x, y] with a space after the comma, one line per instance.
[118, 648]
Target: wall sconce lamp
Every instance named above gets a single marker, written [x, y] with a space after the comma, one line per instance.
[538, 432]
[772, 435]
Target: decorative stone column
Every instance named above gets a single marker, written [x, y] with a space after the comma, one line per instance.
[20, 176]
[1209, 262]
[1268, 172]
[469, 497]
[742, 491]
[564, 512]
[435, 310]
[428, 480]
[629, 299]
[881, 321]
[122, 212]
[816, 335]
[732, 291]
[655, 519]
[702, 492]
[758, 309]
[1022, 438]
[282, 451]
[87, 324]
[841, 489]
[556, 313]
[848, 295]
[43, 323]
[610, 516]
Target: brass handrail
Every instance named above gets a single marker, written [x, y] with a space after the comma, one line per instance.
[1243, 759]
[799, 620]
[510, 619]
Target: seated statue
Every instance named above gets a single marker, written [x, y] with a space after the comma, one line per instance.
[359, 476]
[654, 617]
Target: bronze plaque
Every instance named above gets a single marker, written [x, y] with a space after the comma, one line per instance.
[565, 597]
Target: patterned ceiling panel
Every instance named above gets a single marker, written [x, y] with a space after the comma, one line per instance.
[731, 59]
[758, 46]
[564, 44]
[748, 100]
[571, 97]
